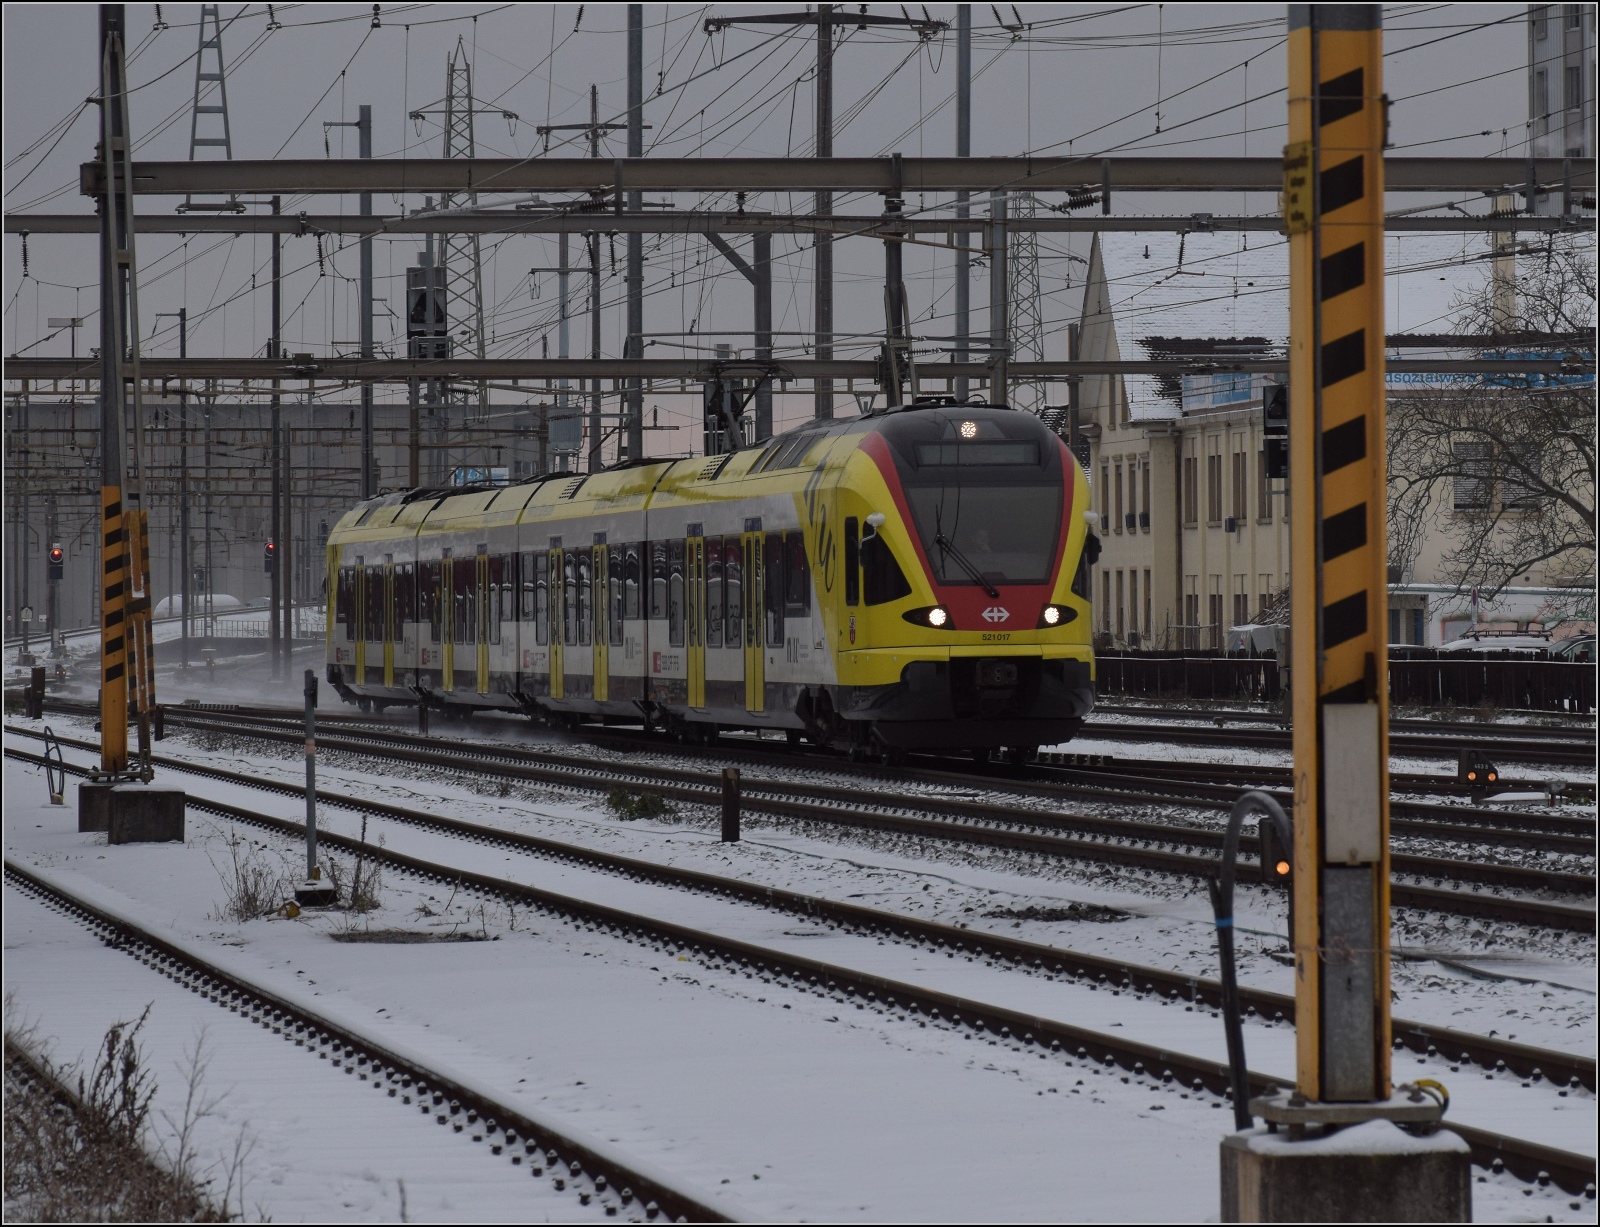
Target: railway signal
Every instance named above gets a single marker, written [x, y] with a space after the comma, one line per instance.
[1275, 430]
[1476, 771]
[269, 561]
[56, 559]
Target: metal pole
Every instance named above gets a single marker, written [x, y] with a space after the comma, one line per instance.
[25, 554]
[368, 482]
[312, 873]
[999, 297]
[595, 437]
[414, 435]
[824, 242]
[183, 487]
[113, 575]
[963, 208]
[730, 805]
[1334, 186]
[761, 264]
[564, 315]
[275, 445]
[634, 347]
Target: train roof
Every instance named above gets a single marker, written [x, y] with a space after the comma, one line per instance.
[622, 486]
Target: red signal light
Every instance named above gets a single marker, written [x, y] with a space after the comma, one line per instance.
[57, 554]
[1283, 869]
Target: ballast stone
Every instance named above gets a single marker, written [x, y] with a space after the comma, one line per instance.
[1373, 1172]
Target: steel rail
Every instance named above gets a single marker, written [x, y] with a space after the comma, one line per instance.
[1406, 724]
[1399, 743]
[591, 1173]
[1523, 1059]
[825, 800]
[975, 824]
[1525, 1159]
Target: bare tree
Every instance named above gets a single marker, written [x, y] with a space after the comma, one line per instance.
[1504, 466]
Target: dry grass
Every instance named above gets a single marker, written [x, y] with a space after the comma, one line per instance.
[256, 884]
[77, 1145]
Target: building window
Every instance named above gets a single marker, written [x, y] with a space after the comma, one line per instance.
[1133, 607]
[1105, 496]
[1473, 480]
[1263, 489]
[1241, 484]
[1147, 602]
[1105, 603]
[1214, 488]
[1574, 90]
[1121, 617]
[1214, 614]
[1116, 523]
[1541, 94]
[1144, 502]
[1266, 595]
[1574, 16]
[1191, 490]
[1241, 601]
[1541, 21]
[1191, 612]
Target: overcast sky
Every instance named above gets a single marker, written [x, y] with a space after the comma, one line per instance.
[1080, 79]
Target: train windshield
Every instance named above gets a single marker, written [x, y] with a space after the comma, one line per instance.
[985, 495]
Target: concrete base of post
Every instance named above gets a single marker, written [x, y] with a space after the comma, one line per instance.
[94, 805]
[145, 814]
[316, 894]
[1368, 1173]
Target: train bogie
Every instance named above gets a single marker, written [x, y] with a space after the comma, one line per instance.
[906, 580]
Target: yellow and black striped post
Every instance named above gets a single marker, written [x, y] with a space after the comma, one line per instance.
[1333, 204]
[117, 521]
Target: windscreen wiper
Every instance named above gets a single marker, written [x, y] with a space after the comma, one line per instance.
[948, 546]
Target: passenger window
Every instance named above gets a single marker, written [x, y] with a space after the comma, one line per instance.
[675, 593]
[658, 579]
[585, 611]
[772, 582]
[631, 589]
[797, 576]
[852, 560]
[733, 589]
[619, 558]
[541, 598]
[882, 579]
[569, 598]
[713, 592]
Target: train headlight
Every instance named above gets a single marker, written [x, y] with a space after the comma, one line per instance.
[1056, 615]
[936, 616]
[969, 430]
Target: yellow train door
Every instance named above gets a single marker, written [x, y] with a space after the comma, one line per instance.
[694, 565]
[755, 657]
[483, 614]
[557, 611]
[388, 620]
[602, 622]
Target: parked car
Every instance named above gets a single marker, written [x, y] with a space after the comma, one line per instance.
[1486, 643]
[1579, 649]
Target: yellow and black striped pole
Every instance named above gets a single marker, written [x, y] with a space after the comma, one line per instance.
[116, 521]
[1333, 205]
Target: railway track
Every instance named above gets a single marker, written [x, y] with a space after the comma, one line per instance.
[1112, 840]
[1499, 747]
[1527, 1160]
[593, 1174]
[1570, 730]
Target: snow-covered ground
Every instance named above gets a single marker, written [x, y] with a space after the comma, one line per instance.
[841, 1113]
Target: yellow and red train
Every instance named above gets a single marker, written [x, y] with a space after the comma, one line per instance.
[916, 578]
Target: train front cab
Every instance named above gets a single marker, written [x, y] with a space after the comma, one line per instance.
[964, 620]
